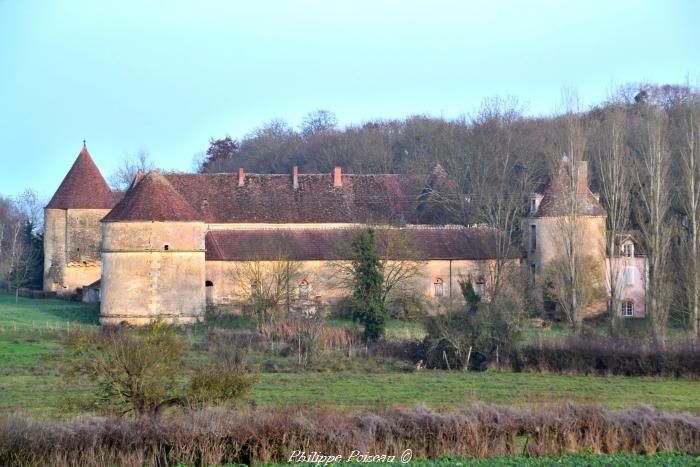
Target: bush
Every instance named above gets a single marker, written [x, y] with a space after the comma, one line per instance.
[222, 436]
[220, 385]
[407, 308]
[607, 357]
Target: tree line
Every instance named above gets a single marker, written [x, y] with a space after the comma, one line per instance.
[642, 145]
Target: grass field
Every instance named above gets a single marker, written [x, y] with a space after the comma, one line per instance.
[30, 382]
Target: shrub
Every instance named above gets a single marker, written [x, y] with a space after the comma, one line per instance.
[604, 356]
[407, 308]
[220, 385]
[141, 371]
[222, 436]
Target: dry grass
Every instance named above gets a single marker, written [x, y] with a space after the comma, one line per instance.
[219, 436]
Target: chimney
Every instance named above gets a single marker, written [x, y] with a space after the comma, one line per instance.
[581, 168]
[295, 177]
[337, 177]
[241, 177]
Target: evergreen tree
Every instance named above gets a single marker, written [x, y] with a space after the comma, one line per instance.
[368, 277]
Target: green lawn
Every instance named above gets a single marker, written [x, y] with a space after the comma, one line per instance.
[30, 382]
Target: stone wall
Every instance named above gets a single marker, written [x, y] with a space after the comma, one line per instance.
[152, 270]
[230, 281]
[71, 248]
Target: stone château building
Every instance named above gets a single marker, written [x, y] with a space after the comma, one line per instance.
[173, 244]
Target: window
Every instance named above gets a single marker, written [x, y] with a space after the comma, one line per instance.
[304, 290]
[438, 289]
[628, 308]
[628, 250]
[254, 290]
[628, 275]
[208, 284]
[480, 288]
[166, 247]
[533, 205]
[533, 237]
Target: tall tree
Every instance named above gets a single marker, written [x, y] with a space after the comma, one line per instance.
[652, 161]
[688, 127]
[368, 277]
[612, 166]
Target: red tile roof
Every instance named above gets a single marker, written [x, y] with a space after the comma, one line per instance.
[83, 187]
[152, 198]
[334, 244]
[556, 200]
[271, 198]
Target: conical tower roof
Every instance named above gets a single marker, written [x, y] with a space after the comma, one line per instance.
[83, 187]
[556, 199]
[152, 198]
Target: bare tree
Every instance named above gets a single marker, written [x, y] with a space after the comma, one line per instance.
[612, 162]
[688, 125]
[130, 166]
[266, 286]
[400, 260]
[501, 182]
[569, 270]
[652, 161]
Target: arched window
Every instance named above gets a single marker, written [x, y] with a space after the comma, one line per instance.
[438, 287]
[304, 290]
[208, 284]
[628, 308]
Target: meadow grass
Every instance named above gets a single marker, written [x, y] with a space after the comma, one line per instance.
[30, 381]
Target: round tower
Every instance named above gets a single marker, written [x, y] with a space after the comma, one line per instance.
[72, 227]
[152, 257]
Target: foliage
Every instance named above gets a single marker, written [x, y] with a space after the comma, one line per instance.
[626, 357]
[407, 308]
[475, 335]
[220, 150]
[137, 371]
[141, 371]
[219, 385]
[368, 278]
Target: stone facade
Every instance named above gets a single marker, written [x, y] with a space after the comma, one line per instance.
[169, 246]
[152, 270]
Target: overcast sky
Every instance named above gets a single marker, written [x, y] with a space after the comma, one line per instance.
[166, 76]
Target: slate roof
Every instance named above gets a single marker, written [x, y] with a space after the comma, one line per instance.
[335, 244]
[83, 187]
[272, 198]
[556, 200]
[152, 198]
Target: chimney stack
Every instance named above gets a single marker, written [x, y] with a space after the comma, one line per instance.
[581, 171]
[337, 177]
[241, 177]
[295, 177]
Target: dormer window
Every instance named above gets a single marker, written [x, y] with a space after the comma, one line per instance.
[628, 250]
[438, 287]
